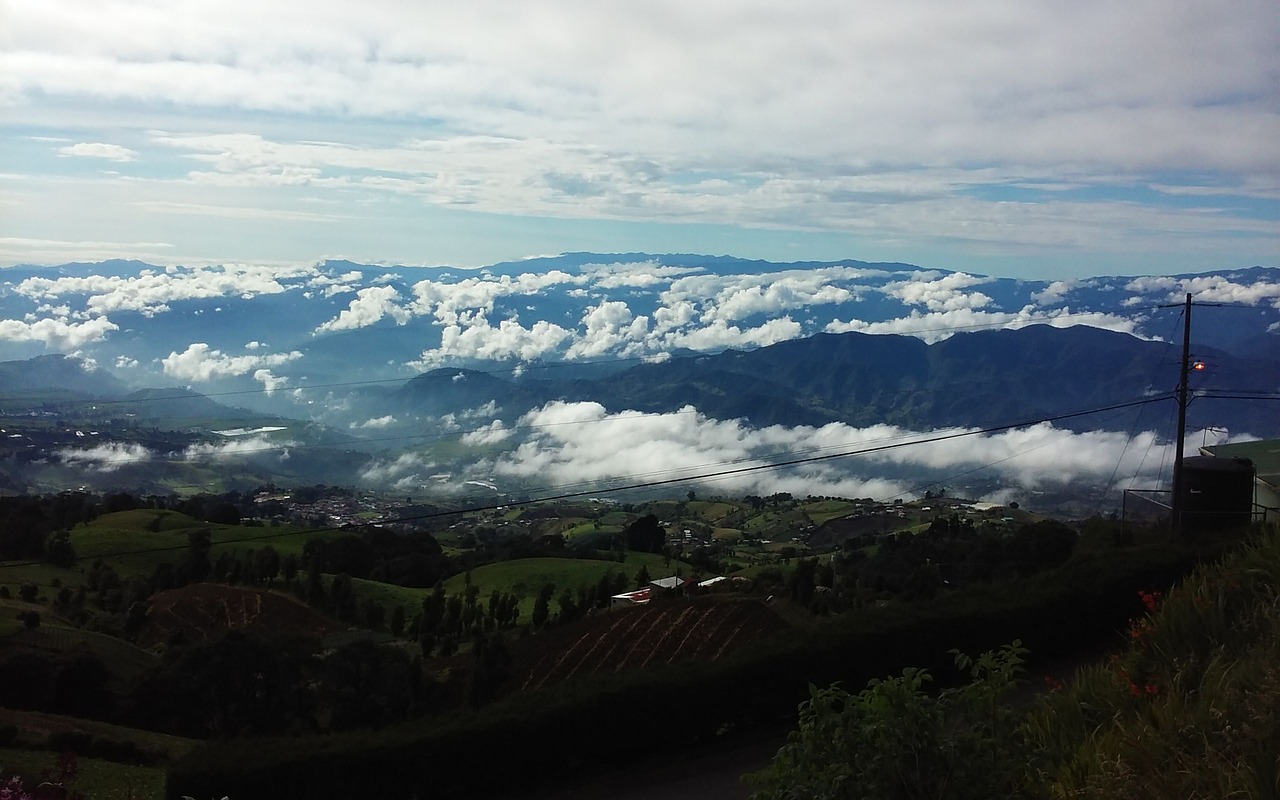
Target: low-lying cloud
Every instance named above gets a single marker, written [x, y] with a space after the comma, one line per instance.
[570, 444]
[200, 362]
[57, 334]
[107, 457]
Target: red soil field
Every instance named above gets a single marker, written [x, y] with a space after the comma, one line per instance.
[662, 632]
[202, 611]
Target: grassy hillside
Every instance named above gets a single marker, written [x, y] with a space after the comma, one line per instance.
[118, 538]
[524, 577]
[1191, 708]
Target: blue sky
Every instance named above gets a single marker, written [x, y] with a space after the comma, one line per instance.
[1027, 139]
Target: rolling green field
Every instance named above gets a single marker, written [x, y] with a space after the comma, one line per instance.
[525, 576]
[118, 537]
[389, 595]
[119, 656]
[821, 511]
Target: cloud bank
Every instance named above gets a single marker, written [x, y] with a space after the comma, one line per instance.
[572, 444]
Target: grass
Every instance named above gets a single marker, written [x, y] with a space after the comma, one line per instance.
[710, 511]
[726, 534]
[389, 596]
[42, 575]
[821, 511]
[117, 538]
[98, 779]
[1191, 708]
[120, 657]
[524, 577]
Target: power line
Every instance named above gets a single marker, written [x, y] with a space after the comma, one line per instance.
[635, 486]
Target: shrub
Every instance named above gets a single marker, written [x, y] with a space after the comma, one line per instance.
[893, 739]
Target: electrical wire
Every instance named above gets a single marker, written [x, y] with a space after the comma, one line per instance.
[634, 486]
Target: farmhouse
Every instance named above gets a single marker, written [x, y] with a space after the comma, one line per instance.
[636, 598]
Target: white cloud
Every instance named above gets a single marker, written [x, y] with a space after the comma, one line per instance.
[111, 152]
[936, 326]
[1217, 289]
[237, 448]
[476, 338]
[940, 295]
[641, 275]
[1054, 292]
[719, 335]
[375, 423]
[370, 306]
[489, 434]
[106, 457]
[199, 362]
[453, 421]
[571, 443]
[150, 292]
[269, 381]
[610, 328]
[57, 334]
[450, 302]
[407, 465]
[1205, 288]
[125, 362]
[735, 297]
[861, 118]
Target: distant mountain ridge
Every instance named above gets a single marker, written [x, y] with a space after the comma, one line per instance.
[974, 379]
[340, 343]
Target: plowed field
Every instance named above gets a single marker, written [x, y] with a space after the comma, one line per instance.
[204, 610]
[662, 632]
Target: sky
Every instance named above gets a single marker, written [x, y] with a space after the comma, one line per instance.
[1018, 138]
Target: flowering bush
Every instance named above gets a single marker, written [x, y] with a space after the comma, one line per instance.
[12, 790]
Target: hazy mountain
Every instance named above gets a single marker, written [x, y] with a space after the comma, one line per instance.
[973, 379]
[59, 372]
[418, 372]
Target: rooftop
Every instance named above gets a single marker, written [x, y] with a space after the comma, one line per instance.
[1264, 454]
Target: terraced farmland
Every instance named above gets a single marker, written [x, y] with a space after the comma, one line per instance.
[621, 639]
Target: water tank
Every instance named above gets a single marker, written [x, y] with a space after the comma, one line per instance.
[1216, 493]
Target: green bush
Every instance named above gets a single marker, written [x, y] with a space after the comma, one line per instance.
[895, 740]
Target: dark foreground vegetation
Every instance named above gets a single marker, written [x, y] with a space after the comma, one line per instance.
[1190, 708]
[592, 724]
[227, 643]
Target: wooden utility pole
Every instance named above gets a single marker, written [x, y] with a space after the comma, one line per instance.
[1176, 525]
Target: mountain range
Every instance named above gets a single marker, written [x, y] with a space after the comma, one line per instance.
[395, 360]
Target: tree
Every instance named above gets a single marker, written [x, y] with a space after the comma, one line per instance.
[198, 566]
[541, 606]
[30, 619]
[28, 592]
[397, 620]
[266, 564]
[58, 550]
[568, 608]
[642, 577]
[490, 665]
[646, 535]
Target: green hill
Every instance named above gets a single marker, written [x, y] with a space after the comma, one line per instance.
[524, 577]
